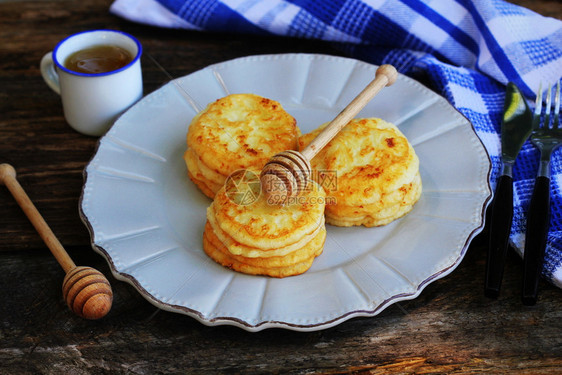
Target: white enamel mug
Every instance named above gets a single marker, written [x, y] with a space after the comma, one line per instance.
[92, 102]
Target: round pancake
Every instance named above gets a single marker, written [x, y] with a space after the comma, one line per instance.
[279, 272]
[265, 226]
[310, 249]
[405, 195]
[370, 158]
[237, 248]
[375, 215]
[236, 132]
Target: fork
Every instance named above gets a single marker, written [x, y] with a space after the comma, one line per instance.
[546, 138]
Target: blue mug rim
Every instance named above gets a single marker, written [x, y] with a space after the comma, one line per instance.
[60, 65]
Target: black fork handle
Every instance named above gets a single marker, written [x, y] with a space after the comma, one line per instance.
[500, 227]
[535, 239]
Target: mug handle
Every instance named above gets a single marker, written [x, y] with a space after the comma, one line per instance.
[49, 73]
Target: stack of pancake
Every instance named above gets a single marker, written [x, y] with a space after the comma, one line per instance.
[370, 172]
[236, 132]
[246, 233]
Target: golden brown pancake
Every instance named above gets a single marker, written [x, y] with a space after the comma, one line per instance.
[291, 264]
[376, 214]
[236, 132]
[370, 172]
[265, 226]
[255, 237]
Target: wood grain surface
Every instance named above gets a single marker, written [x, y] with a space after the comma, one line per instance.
[451, 328]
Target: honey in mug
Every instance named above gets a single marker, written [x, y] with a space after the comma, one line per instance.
[98, 59]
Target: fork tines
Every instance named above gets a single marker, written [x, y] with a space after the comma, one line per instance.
[547, 107]
[546, 138]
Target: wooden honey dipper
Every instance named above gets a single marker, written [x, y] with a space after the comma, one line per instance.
[85, 290]
[287, 174]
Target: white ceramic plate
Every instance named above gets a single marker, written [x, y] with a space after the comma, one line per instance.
[147, 218]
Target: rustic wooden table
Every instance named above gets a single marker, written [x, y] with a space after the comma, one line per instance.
[450, 328]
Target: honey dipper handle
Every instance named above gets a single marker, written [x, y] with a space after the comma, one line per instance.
[8, 178]
[385, 76]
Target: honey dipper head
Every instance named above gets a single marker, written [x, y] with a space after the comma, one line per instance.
[87, 292]
[285, 175]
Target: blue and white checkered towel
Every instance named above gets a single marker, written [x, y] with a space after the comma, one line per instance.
[468, 49]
